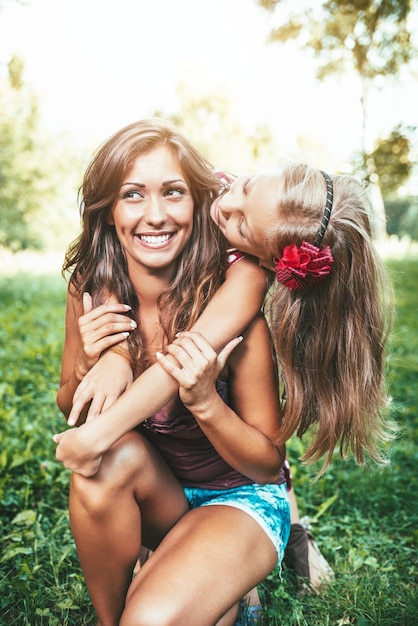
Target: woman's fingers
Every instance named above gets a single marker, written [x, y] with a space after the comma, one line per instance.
[106, 324]
[87, 302]
[194, 344]
[192, 353]
[224, 354]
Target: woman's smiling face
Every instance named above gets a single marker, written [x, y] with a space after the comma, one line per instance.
[247, 210]
[153, 212]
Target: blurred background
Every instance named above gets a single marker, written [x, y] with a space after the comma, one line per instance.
[250, 82]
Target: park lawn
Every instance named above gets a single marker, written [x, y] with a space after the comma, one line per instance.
[364, 519]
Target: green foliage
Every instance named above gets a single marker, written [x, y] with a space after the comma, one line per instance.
[364, 519]
[402, 215]
[210, 123]
[38, 177]
[374, 39]
[40, 579]
[392, 160]
[20, 170]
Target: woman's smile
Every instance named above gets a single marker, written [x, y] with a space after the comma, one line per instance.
[153, 214]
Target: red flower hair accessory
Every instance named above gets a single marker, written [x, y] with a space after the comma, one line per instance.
[302, 267]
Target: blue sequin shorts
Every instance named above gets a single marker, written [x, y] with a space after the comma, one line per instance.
[268, 505]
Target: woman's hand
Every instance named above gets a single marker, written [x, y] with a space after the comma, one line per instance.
[76, 450]
[196, 369]
[100, 328]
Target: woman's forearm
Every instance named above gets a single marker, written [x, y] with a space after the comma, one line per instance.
[241, 445]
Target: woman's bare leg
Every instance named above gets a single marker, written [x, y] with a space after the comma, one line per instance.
[134, 497]
[205, 564]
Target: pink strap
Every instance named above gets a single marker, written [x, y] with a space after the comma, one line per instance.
[234, 256]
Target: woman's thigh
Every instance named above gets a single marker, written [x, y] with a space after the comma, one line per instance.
[205, 564]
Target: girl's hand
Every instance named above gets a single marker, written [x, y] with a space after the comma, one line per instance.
[102, 385]
[197, 367]
[100, 328]
[76, 451]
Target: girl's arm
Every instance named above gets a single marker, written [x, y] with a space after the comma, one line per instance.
[230, 311]
[242, 433]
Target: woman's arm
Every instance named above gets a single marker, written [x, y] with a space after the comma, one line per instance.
[242, 433]
[88, 333]
[230, 311]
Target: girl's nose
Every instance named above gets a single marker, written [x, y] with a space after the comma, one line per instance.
[231, 198]
[155, 214]
[227, 203]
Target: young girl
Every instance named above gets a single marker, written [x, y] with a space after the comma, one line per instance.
[328, 308]
[198, 488]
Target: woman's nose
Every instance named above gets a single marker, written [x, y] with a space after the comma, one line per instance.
[155, 214]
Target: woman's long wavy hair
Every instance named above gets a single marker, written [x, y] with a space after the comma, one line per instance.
[96, 258]
[330, 338]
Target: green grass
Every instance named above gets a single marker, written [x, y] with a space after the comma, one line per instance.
[368, 533]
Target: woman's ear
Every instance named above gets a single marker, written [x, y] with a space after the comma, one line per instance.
[109, 219]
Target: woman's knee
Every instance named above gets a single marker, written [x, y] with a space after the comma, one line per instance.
[121, 465]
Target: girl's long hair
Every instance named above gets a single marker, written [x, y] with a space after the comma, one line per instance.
[96, 258]
[330, 338]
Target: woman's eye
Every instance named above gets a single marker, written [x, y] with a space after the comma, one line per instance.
[175, 193]
[131, 194]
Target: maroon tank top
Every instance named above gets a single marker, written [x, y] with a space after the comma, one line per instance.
[195, 462]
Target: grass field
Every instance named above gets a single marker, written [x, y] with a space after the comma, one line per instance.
[365, 520]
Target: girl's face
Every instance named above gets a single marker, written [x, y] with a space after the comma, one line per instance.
[247, 211]
[153, 212]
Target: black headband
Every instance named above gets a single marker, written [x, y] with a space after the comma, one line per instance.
[327, 211]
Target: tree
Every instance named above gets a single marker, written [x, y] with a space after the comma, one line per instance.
[207, 117]
[20, 171]
[368, 36]
[392, 159]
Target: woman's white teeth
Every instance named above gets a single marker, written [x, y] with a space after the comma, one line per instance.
[155, 238]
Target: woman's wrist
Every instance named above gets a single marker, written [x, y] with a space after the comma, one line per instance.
[207, 410]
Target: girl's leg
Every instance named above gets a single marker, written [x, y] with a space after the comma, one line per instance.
[134, 497]
[206, 563]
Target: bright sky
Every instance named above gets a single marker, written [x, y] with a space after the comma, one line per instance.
[100, 64]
